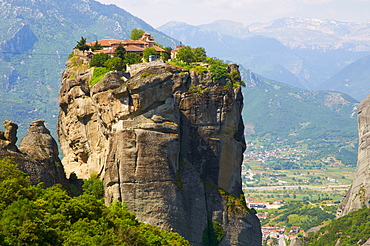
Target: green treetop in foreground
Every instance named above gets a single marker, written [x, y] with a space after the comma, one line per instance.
[31, 215]
[136, 34]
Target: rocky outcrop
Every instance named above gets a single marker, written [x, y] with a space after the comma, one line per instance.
[167, 141]
[296, 242]
[9, 137]
[37, 154]
[42, 147]
[358, 194]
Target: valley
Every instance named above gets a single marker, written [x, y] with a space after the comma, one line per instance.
[296, 185]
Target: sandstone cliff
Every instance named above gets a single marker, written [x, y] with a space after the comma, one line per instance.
[167, 141]
[358, 194]
[36, 155]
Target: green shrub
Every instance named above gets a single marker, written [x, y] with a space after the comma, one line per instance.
[132, 58]
[194, 89]
[185, 54]
[190, 67]
[145, 74]
[149, 52]
[218, 72]
[212, 234]
[98, 74]
[93, 186]
[98, 60]
[136, 34]
[115, 63]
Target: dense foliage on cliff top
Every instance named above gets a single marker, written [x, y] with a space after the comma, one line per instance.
[31, 215]
[197, 60]
[352, 229]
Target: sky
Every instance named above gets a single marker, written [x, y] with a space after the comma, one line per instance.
[197, 12]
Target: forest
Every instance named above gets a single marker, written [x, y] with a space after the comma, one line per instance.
[34, 215]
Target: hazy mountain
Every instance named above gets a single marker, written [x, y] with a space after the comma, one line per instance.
[263, 55]
[35, 40]
[228, 27]
[284, 116]
[355, 79]
[298, 33]
[301, 52]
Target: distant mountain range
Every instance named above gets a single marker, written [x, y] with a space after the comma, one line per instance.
[35, 40]
[321, 124]
[353, 79]
[304, 53]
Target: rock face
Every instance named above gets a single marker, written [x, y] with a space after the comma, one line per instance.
[359, 192]
[296, 242]
[37, 154]
[167, 141]
[9, 137]
[42, 147]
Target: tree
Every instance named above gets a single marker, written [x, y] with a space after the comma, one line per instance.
[91, 232]
[218, 72]
[120, 52]
[94, 186]
[200, 54]
[215, 61]
[166, 55]
[98, 60]
[96, 46]
[82, 45]
[132, 58]
[185, 54]
[136, 34]
[114, 63]
[149, 51]
[13, 183]
[22, 224]
[37, 216]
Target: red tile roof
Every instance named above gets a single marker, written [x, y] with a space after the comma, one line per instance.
[107, 51]
[129, 45]
[107, 42]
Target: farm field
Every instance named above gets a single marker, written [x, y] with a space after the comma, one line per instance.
[325, 183]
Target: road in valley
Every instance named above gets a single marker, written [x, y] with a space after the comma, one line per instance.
[295, 187]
